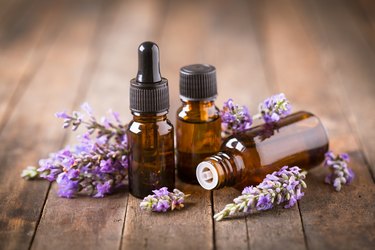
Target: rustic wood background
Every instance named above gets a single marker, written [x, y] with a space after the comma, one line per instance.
[54, 55]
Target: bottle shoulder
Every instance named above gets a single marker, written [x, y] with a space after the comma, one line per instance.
[199, 115]
[163, 127]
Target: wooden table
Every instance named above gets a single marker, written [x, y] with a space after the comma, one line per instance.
[54, 55]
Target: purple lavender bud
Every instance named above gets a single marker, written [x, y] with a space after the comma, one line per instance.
[106, 166]
[67, 188]
[52, 175]
[66, 125]
[274, 108]
[345, 157]
[340, 173]
[264, 202]
[247, 190]
[101, 140]
[103, 189]
[291, 202]
[62, 115]
[235, 118]
[73, 173]
[161, 192]
[104, 120]
[330, 155]
[162, 206]
[350, 176]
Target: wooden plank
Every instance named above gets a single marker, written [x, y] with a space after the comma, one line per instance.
[100, 221]
[365, 10]
[32, 130]
[330, 219]
[190, 228]
[7, 8]
[354, 44]
[242, 69]
[350, 57]
[25, 37]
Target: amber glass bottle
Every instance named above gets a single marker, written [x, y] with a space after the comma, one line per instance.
[150, 134]
[198, 123]
[246, 158]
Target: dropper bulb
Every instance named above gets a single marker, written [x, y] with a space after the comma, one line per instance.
[148, 63]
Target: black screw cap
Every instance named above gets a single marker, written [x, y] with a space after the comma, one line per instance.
[198, 82]
[149, 91]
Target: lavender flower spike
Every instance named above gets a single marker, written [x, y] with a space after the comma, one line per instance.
[235, 118]
[274, 108]
[96, 166]
[283, 186]
[162, 200]
[340, 172]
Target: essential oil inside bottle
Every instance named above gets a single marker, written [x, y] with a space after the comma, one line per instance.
[246, 158]
[198, 123]
[150, 133]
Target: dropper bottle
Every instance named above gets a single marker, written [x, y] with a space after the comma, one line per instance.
[246, 158]
[150, 134]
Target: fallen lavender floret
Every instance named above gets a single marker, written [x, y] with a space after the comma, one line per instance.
[96, 166]
[274, 108]
[283, 186]
[235, 118]
[162, 200]
[340, 172]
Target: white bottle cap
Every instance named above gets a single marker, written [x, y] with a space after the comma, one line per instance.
[207, 175]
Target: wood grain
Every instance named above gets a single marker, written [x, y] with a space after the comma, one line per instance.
[328, 217]
[349, 56]
[50, 89]
[25, 37]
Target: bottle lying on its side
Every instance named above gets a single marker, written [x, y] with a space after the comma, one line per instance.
[246, 158]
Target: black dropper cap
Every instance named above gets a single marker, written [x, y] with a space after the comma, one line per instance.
[198, 82]
[149, 91]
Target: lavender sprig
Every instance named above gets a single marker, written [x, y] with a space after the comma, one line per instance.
[340, 172]
[162, 200]
[274, 108]
[96, 166]
[283, 186]
[235, 118]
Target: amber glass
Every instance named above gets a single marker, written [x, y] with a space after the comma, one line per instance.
[246, 158]
[198, 136]
[151, 163]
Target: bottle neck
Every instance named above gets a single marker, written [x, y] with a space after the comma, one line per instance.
[149, 117]
[201, 104]
[198, 111]
[219, 170]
